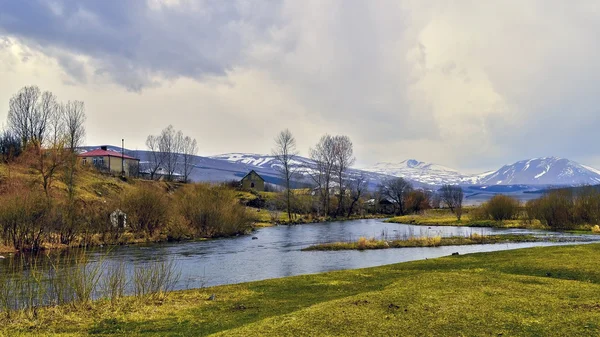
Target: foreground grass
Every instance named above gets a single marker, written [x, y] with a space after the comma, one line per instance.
[475, 239]
[550, 291]
[449, 219]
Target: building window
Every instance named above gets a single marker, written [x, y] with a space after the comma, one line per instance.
[98, 161]
[252, 185]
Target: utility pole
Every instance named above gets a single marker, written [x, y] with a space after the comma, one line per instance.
[123, 157]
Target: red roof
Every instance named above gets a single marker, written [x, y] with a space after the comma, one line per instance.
[103, 153]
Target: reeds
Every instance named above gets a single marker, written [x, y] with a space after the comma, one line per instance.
[30, 282]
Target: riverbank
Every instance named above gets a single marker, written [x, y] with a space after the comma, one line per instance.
[437, 241]
[549, 291]
[264, 218]
[449, 219]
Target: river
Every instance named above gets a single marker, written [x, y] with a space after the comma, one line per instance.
[276, 251]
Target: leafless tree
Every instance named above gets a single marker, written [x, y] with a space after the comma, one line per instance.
[344, 158]
[396, 190]
[285, 152]
[189, 148]
[30, 113]
[453, 197]
[170, 146]
[156, 157]
[73, 119]
[358, 187]
[323, 156]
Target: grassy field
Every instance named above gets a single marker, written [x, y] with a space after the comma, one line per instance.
[436, 241]
[446, 218]
[550, 291]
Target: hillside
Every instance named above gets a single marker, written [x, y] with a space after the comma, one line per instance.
[234, 166]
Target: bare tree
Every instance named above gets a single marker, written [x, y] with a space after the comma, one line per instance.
[189, 148]
[156, 158]
[46, 121]
[453, 197]
[344, 158]
[29, 114]
[73, 119]
[22, 106]
[52, 157]
[396, 190]
[285, 152]
[323, 156]
[358, 187]
[170, 146]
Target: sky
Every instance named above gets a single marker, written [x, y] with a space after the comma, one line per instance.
[471, 85]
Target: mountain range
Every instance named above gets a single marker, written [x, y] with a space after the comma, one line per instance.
[536, 171]
[532, 172]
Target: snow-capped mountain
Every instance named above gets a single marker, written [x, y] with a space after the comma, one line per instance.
[268, 165]
[427, 173]
[537, 171]
[540, 171]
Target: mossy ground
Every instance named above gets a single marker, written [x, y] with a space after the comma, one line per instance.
[549, 291]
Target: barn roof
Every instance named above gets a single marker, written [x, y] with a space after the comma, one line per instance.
[105, 153]
[249, 173]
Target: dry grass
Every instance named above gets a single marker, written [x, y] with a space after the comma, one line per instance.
[550, 291]
[446, 218]
[435, 241]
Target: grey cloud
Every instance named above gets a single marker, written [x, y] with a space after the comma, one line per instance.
[471, 85]
[131, 41]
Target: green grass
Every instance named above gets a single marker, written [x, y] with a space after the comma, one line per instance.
[550, 291]
[475, 239]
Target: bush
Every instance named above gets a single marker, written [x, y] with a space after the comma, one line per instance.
[587, 205]
[212, 211]
[23, 219]
[147, 209]
[502, 207]
[555, 209]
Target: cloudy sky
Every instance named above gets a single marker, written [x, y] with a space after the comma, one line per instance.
[467, 84]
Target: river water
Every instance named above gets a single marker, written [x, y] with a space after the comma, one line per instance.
[276, 251]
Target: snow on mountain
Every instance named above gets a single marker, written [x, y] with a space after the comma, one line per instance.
[541, 171]
[537, 171]
[302, 167]
[426, 173]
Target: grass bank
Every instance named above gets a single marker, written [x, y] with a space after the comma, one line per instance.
[549, 291]
[265, 218]
[445, 218]
[474, 239]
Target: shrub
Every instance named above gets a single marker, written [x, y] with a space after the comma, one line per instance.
[212, 211]
[587, 205]
[502, 207]
[362, 243]
[147, 209]
[23, 219]
[554, 209]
